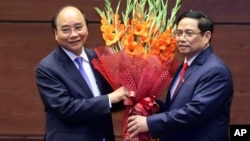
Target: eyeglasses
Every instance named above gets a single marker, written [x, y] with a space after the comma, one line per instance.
[188, 33]
[68, 30]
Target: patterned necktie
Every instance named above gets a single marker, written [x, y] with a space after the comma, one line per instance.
[78, 60]
[181, 80]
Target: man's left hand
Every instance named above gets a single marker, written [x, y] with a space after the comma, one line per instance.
[137, 124]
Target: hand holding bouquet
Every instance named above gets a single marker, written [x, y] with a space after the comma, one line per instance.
[139, 53]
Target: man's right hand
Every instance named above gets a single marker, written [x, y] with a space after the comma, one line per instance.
[119, 94]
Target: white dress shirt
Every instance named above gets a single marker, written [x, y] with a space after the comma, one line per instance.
[87, 68]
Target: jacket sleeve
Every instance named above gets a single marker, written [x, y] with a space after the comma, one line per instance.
[61, 95]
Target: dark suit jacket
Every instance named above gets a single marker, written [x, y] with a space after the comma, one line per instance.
[200, 111]
[72, 114]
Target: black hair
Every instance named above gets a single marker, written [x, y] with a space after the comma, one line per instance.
[54, 18]
[205, 23]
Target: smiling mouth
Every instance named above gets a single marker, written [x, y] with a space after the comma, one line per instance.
[73, 42]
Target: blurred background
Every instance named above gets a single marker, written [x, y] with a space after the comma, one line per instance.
[26, 37]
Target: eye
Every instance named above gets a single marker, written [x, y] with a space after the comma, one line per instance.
[78, 28]
[66, 30]
[189, 33]
[178, 33]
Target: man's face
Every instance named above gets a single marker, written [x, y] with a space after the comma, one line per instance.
[71, 31]
[190, 40]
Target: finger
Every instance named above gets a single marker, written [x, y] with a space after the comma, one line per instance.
[131, 92]
[131, 129]
[126, 95]
[125, 90]
[131, 118]
[125, 98]
[130, 124]
[133, 134]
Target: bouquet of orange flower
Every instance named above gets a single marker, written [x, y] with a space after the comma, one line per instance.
[139, 54]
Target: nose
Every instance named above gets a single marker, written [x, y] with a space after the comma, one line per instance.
[182, 35]
[73, 32]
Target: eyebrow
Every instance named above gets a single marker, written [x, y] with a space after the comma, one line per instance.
[76, 24]
[185, 30]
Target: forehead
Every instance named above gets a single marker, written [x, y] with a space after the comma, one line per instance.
[188, 23]
[69, 16]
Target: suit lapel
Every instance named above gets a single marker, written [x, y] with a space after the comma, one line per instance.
[91, 55]
[168, 98]
[199, 60]
[72, 71]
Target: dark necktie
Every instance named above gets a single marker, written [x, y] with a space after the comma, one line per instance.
[78, 60]
[181, 80]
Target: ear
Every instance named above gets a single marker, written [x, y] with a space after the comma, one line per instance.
[207, 36]
[55, 31]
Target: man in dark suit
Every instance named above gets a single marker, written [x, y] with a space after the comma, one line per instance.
[198, 107]
[76, 108]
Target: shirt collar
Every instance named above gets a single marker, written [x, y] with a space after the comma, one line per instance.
[73, 56]
[192, 59]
